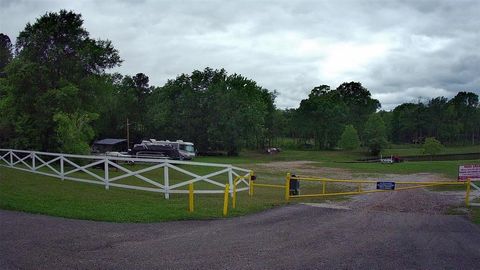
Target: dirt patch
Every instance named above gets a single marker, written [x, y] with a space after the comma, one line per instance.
[306, 168]
[311, 168]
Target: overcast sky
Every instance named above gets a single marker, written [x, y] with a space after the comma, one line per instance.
[402, 51]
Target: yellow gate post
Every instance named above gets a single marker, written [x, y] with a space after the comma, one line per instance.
[323, 187]
[467, 195]
[225, 200]
[234, 198]
[287, 187]
[190, 198]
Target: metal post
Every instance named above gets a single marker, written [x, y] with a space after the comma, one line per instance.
[234, 198]
[324, 188]
[106, 173]
[166, 181]
[225, 199]
[190, 198]
[359, 187]
[467, 195]
[287, 187]
[62, 171]
[11, 158]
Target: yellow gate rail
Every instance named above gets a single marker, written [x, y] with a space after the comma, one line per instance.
[361, 191]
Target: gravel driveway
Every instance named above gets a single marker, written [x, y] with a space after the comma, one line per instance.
[292, 237]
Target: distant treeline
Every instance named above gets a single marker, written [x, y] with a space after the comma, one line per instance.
[55, 95]
[320, 119]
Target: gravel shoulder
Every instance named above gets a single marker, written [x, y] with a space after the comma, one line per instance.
[291, 237]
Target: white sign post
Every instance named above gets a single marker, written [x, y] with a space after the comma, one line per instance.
[472, 172]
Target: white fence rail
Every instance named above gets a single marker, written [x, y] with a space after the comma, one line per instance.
[97, 170]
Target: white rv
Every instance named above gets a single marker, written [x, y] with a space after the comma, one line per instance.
[186, 149]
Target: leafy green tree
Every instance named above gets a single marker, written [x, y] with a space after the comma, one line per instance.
[409, 123]
[74, 132]
[359, 102]
[387, 119]
[215, 110]
[432, 146]
[465, 105]
[322, 117]
[436, 118]
[375, 134]
[58, 68]
[349, 139]
[6, 51]
[59, 42]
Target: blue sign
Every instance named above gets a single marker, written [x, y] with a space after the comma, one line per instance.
[386, 185]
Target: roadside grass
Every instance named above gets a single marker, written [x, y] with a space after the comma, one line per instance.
[475, 214]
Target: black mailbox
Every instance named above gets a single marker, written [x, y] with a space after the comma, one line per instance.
[294, 186]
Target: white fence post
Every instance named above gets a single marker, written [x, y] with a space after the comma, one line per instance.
[105, 166]
[166, 181]
[62, 170]
[11, 158]
[32, 155]
[230, 180]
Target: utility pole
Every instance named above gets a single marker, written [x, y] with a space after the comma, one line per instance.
[128, 134]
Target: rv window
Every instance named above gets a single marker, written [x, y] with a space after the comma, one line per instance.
[188, 148]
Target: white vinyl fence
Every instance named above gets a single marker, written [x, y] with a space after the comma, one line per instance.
[109, 171]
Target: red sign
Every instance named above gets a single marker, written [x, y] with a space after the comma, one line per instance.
[471, 171]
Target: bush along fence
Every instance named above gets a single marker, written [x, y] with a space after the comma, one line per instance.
[178, 177]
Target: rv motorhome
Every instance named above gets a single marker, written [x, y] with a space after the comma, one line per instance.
[186, 150]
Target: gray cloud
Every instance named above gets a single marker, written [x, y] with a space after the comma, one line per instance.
[401, 51]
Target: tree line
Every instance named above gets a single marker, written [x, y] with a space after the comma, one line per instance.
[322, 120]
[56, 95]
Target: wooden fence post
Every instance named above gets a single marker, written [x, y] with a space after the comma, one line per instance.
[287, 187]
[190, 198]
[32, 155]
[166, 181]
[225, 199]
[105, 166]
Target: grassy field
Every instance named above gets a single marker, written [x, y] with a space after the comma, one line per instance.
[340, 159]
[29, 192]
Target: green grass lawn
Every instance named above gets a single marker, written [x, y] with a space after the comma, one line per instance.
[35, 193]
[417, 150]
[447, 168]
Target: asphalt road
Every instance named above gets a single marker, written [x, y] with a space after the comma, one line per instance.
[292, 237]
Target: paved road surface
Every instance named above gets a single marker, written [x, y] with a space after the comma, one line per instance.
[292, 237]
